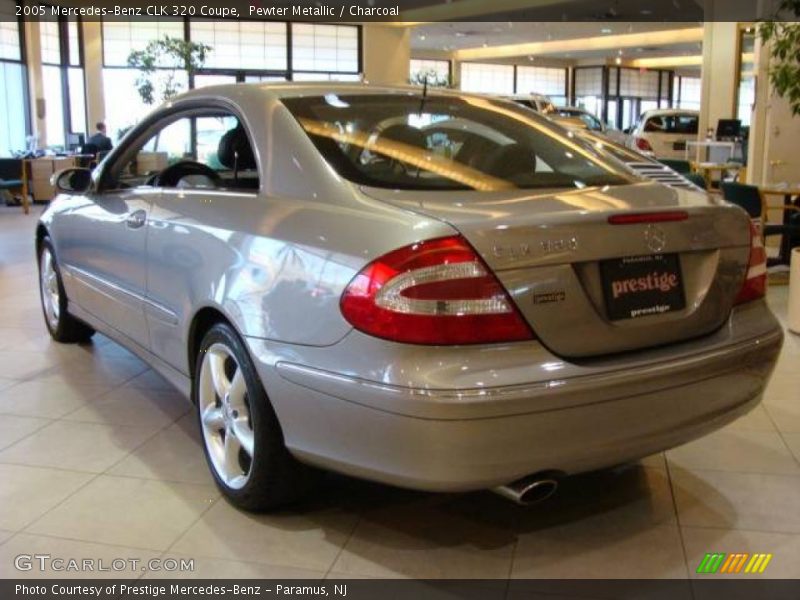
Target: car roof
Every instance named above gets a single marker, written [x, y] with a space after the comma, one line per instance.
[290, 89]
[661, 112]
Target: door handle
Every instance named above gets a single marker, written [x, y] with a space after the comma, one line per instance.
[136, 219]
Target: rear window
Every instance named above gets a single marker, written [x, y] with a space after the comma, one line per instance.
[672, 124]
[445, 143]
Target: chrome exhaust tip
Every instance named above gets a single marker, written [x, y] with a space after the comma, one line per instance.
[528, 490]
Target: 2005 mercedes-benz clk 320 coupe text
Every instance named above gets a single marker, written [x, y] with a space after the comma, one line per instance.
[430, 289]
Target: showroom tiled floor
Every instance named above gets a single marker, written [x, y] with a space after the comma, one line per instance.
[100, 458]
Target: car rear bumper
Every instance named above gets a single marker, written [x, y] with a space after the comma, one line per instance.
[455, 439]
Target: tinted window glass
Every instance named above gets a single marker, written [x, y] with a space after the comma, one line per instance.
[672, 124]
[215, 141]
[443, 143]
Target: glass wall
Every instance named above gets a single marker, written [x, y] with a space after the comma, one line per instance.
[13, 83]
[255, 45]
[588, 91]
[241, 51]
[438, 71]
[746, 90]
[62, 80]
[515, 79]
[550, 81]
[619, 95]
[686, 92]
[487, 78]
[12, 102]
[324, 49]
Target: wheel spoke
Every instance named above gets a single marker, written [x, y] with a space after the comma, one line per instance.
[231, 458]
[244, 434]
[216, 362]
[213, 418]
[237, 391]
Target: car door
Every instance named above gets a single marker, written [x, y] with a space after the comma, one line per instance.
[105, 251]
[190, 228]
[110, 233]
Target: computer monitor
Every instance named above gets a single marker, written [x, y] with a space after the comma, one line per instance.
[75, 141]
[729, 128]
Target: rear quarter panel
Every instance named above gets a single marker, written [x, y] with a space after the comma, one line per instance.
[275, 262]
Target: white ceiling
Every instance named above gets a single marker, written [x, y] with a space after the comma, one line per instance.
[459, 35]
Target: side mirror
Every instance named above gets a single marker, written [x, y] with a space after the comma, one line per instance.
[72, 181]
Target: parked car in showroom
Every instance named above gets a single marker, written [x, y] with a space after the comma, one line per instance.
[538, 102]
[592, 122]
[425, 288]
[664, 132]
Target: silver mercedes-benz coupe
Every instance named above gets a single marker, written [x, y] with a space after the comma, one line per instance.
[433, 290]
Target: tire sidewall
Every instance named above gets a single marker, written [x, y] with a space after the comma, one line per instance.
[260, 409]
[58, 332]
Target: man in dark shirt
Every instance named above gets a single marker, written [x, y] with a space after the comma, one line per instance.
[100, 140]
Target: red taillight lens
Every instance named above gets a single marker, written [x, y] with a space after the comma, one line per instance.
[643, 145]
[434, 292]
[755, 283]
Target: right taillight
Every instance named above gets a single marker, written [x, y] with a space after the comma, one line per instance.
[643, 145]
[755, 283]
[433, 292]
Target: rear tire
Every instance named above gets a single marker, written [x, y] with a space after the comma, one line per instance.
[63, 327]
[242, 438]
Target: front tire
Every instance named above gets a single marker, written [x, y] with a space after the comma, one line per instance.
[63, 327]
[242, 438]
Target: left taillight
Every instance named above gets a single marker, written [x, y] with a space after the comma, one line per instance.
[755, 283]
[436, 292]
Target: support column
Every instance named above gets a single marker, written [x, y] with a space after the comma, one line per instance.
[387, 54]
[93, 70]
[718, 98]
[33, 51]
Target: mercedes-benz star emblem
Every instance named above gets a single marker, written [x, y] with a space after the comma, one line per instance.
[655, 238]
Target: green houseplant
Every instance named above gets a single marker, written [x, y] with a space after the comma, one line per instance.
[784, 70]
[159, 64]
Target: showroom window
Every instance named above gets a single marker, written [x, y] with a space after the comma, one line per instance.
[62, 81]
[550, 81]
[325, 48]
[249, 45]
[687, 92]
[487, 78]
[13, 82]
[242, 51]
[437, 70]
[619, 95]
[120, 38]
[589, 89]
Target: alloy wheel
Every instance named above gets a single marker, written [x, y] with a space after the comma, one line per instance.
[48, 280]
[225, 416]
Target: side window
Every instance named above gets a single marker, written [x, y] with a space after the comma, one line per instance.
[654, 124]
[592, 123]
[167, 146]
[203, 150]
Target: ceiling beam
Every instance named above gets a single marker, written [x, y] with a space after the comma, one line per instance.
[606, 42]
[658, 62]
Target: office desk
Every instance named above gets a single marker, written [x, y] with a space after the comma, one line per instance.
[36, 174]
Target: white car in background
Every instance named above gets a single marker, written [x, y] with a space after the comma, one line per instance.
[538, 102]
[663, 133]
[592, 123]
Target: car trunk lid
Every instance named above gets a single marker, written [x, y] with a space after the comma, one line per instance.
[576, 277]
